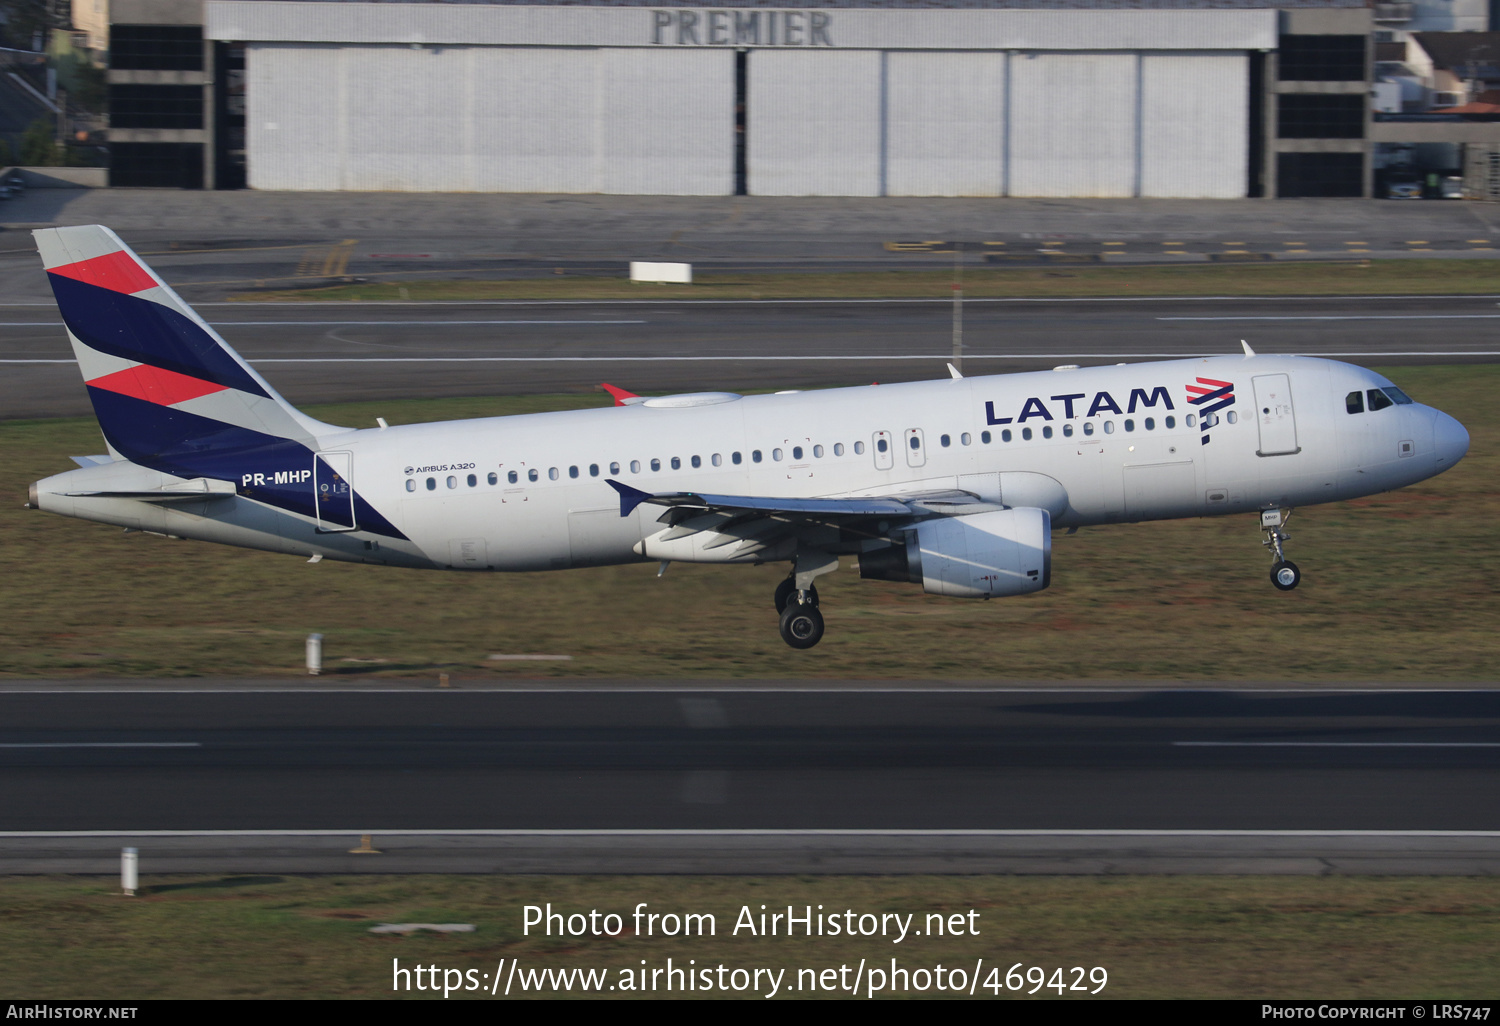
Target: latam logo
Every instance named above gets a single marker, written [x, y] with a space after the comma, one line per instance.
[1210, 396]
[1100, 404]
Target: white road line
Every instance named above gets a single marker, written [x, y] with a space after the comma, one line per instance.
[746, 832]
[863, 358]
[242, 304]
[342, 324]
[103, 744]
[1336, 744]
[1347, 317]
[851, 302]
[428, 324]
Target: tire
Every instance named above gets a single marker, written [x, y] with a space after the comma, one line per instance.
[801, 625]
[1285, 575]
[786, 589]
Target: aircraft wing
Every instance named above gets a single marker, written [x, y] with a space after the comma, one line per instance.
[948, 502]
[630, 498]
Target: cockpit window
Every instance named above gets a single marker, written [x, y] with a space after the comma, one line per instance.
[1354, 402]
[1402, 399]
[1379, 400]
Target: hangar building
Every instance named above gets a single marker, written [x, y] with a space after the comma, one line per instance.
[1039, 98]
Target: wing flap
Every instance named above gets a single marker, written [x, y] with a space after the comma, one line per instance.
[630, 498]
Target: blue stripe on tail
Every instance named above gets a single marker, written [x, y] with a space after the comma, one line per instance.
[147, 332]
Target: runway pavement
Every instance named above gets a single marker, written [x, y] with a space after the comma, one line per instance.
[893, 779]
[317, 353]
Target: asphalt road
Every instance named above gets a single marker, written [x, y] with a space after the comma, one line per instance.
[866, 760]
[317, 353]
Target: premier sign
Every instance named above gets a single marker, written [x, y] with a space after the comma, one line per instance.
[740, 28]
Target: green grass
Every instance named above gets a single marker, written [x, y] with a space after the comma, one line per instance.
[1157, 937]
[1397, 587]
[1280, 278]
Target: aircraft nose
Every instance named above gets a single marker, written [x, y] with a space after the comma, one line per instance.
[1450, 439]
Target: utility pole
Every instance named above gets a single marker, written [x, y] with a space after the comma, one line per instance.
[958, 306]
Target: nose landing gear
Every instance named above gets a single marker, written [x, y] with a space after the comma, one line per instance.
[1284, 573]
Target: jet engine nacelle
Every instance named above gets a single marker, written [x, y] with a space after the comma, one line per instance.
[1001, 552]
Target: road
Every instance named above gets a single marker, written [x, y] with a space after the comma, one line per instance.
[317, 353]
[785, 779]
[915, 759]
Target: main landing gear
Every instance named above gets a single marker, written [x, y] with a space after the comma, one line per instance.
[1284, 573]
[797, 600]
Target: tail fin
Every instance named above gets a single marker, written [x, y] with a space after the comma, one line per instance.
[168, 391]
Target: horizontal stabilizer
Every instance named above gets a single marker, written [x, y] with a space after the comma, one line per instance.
[187, 491]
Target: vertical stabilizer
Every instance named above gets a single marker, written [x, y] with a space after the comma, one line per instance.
[163, 383]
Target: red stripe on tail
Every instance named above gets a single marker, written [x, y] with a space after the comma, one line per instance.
[155, 385]
[114, 271]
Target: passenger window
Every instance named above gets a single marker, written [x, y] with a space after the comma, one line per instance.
[411, 484]
[838, 448]
[945, 440]
[1379, 400]
[1067, 430]
[655, 465]
[511, 477]
[494, 478]
[1047, 431]
[1109, 427]
[431, 484]
[1402, 399]
[880, 445]
[635, 466]
[1129, 425]
[1150, 424]
[916, 442]
[984, 436]
[717, 460]
[573, 472]
[593, 470]
[818, 451]
[1190, 420]
[452, 481]
[755, 456]
[552, 473]
[1026, 434]
[776, 455]
[1005, 435]
[966, 438]
[734, 458]
[531, 475]
[676, 462]
[614, 468]
[1088, 427]
[796, 452]
[473, 480]
[1232, 416]
[697, 462]
[859, 448]
[1170, 423]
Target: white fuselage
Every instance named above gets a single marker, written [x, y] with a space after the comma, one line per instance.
[529, 492]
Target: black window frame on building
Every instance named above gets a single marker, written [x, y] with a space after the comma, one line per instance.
[1321, 115]
[1319, 174]
[156, 47]
[132, 105]
[156, 165]
[1341, 58]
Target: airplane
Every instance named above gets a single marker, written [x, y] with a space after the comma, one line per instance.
[955, 484]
